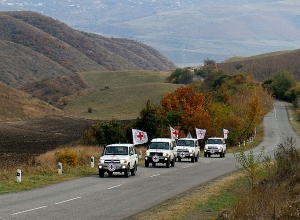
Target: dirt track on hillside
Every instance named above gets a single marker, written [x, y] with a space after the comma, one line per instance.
[20, 140]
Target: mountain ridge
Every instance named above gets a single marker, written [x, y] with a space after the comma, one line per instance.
[68, 50]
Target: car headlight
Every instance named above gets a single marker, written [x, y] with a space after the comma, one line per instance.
[191, 150]
[147, 154]
[123, 161]
[101, 161]
[165, 154]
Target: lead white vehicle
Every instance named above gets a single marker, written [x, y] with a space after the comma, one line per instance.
[215, 146]
[188, 148]
[161, 150]
[120, 158]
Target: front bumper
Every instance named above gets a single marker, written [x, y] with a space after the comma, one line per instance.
[112, 167]
[213, 151]
[184, 154]
[156, 159]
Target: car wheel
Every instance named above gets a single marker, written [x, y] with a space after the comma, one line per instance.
[146, 163]
[153, 164]
[133, 170]
[173, 162]
[168, 163]
[179, 159]
[221, 154]
[193, 158]
[101, 173]
[126, 172]
[197, 157]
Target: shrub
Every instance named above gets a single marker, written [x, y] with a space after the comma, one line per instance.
[67, 157]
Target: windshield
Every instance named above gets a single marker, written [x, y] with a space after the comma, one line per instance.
[214, 141]
[118, 150]
[186, 143]
[159, 145]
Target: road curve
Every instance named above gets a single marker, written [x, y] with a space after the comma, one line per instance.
[118, 197]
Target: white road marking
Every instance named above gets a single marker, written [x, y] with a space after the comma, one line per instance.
[185, 167]
[29, 210]
[155, 175]
[114, 187]
[67, 200]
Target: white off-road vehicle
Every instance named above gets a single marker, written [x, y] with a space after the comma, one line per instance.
[215, 145]
[161, 150]
[188, 148]
[118, 158]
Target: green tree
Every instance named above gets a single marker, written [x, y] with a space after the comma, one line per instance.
[148, 120]
[182, 76]
[282, 82]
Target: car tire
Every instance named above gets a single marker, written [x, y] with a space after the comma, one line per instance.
[221, 154]
[173, 162]
[126, 172]
[193, 159]
[168, 163]
[101, 173]
[153, 164]
[179, 159]
[197, 157]
[110, 173]
[133, 170]
[146, 163]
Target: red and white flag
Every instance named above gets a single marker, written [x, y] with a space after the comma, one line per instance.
[226, 132]
[200, 133]
[139, 137]
[174, 133]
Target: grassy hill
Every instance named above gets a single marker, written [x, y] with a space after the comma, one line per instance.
[263, 66]
[34, 47]
[18, 105]
[110, 94]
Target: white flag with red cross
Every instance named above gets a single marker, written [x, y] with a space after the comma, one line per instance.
[139, 137]
[174, 133]
[200, 133]
[226, 132]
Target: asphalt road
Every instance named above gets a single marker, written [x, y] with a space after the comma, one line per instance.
[118, 197]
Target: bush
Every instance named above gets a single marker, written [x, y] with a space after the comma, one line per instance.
[67, 157]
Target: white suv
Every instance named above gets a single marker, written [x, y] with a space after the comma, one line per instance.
[118, 158]
[188, 148]
[215, 145]
[161, 150]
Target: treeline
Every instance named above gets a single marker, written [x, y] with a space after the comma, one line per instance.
[220, 100]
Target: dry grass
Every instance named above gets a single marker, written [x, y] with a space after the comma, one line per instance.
[184, 205]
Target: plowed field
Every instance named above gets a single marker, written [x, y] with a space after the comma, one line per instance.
[20, 140]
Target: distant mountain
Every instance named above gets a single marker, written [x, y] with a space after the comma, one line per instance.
[34, 47]
[187, 32]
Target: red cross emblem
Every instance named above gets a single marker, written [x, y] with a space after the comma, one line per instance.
[111, 167]
[182, 154]
[175, 133]
[155, 158]
[140, 136]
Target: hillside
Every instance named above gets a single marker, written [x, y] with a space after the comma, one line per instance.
[263, 66]
[110, 94]
[18, 105]
[43, 47]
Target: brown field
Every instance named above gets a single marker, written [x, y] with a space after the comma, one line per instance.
[21, 140]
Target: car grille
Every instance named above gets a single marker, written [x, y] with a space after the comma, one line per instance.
[182, 150]
[213, 148]
[158, 154]
[112, 161]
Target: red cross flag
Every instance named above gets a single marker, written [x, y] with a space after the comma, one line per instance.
[139, 137]
[226, 132]
[200, 133]
[174, 133]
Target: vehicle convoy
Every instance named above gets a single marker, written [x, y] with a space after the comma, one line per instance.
[161, 150]
[188, 148]
[215, 146]
[120, 158]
